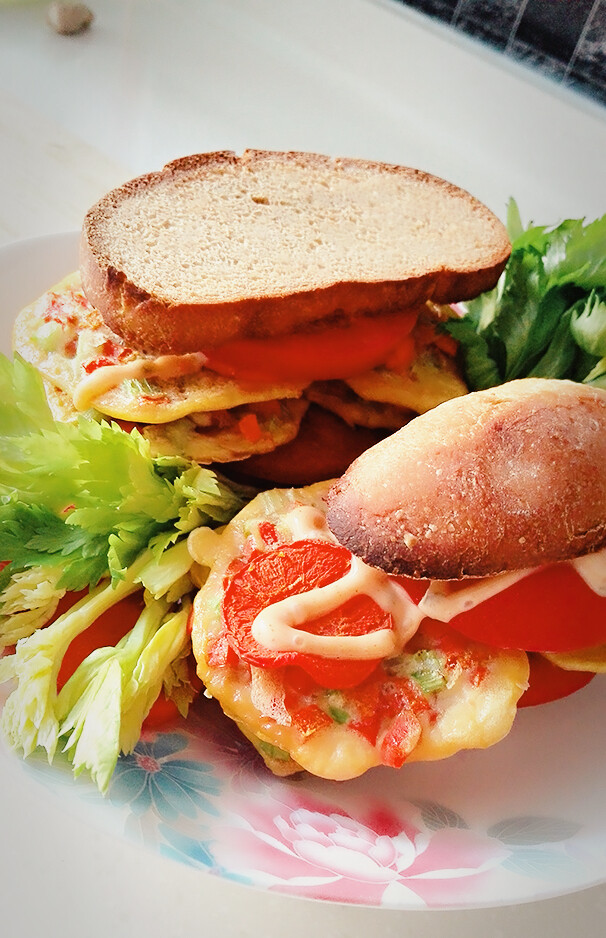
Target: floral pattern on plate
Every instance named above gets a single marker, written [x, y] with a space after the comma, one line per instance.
[198, 793]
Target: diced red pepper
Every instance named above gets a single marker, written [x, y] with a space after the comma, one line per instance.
[249, 428]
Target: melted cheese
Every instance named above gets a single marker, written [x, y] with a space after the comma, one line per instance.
[430, 380]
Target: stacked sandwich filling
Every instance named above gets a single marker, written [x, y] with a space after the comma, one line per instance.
[183, 407]
[278, 315]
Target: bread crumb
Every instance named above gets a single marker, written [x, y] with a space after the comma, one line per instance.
[67, 19]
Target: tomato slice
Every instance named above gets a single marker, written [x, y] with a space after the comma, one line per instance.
[289, 570]
[108, 629]
[302, 357]
[400, 739]
[547, 682]
[162, 711]
[551, 609]
[415, 588]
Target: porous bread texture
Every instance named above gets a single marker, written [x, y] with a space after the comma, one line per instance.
[217, 246]
[503, 479]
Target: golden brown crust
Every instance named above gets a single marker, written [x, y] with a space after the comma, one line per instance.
[502, 479]
[156, 321]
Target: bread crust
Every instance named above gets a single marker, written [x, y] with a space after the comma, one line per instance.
[156, 322]
[503, 479]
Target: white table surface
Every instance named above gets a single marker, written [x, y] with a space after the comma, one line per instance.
[156, 79]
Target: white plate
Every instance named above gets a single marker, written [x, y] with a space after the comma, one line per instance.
[524, 820]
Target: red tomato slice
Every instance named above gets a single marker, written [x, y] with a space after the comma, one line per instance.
[108, 629]
[301, 357]
[416, 589]
[547, 682]
[162, 711]
[287, 571]
[400, 739]
[552, 609]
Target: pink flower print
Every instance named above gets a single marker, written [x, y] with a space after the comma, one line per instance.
[301, 846]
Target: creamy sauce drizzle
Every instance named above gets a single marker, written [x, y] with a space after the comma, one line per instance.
[592, 569]
[277, 627]
[308, 523]
[107, 377]
[445, 599]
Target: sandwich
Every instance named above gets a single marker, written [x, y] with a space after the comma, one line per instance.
[244, 310]
[324, 662]
[402, 612]
[397, 614]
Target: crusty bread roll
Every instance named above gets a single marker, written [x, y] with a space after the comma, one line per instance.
[218, 246]
[498, 480]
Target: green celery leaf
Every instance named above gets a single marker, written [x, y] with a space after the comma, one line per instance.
[514, 225]
[546, 316]
[517, 312]
[33, 536]
[480, 366]
[85, 505]
[25, 408]
[89, 495]
[559, 355]
[597, 375]
[588, 326]
[584, 254]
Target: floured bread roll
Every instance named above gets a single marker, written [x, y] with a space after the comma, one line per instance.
[498, 480]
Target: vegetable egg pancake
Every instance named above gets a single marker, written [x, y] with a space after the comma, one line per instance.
[181, 407]
[326, 664]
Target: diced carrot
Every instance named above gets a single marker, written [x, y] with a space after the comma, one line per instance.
[249, 428]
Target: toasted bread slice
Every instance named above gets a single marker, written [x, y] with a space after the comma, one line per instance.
[217, 246]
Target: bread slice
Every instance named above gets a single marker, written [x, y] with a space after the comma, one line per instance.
[217, 246]
[503, 479]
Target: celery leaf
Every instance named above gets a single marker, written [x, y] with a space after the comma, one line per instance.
[547, 314]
